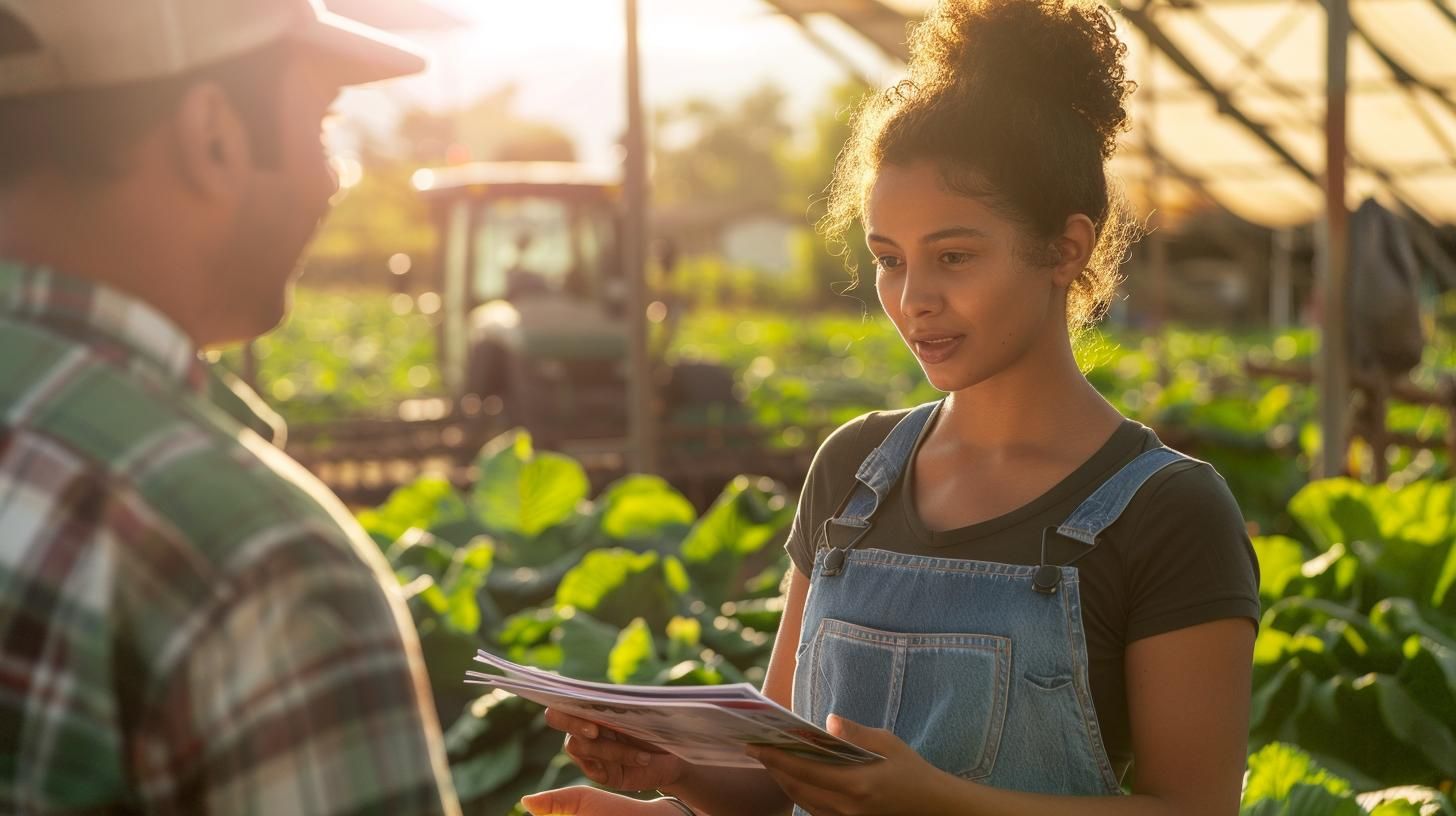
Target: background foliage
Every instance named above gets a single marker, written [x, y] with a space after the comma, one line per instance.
[1355, 665]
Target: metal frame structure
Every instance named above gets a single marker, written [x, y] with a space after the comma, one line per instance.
[884, 25]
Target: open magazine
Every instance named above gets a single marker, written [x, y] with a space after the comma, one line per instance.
[705, 725]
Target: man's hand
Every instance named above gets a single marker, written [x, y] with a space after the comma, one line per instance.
[903, 782]
[614, 759]
[584, 801]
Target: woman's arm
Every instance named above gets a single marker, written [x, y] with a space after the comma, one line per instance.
[1188, 697]
[622, 763]
[730, 791]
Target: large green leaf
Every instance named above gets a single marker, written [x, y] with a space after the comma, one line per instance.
[1422, 512]
[1326, 637]
[517, 587]
[684, 639]
[1280, 559]
[490, 718]
[524, 492]
[487, 770]
[644, 507]
[743, 519]
[1373, 723]
[634, 658]
[1400, 617]
[586, 646]
[1277, 770]
[427, 502]
[1401, 537]
[567, 540]
[1407, 800]
[616, 585]
[463, 584]
[728, 637]
[564, 640]
[1336, 511]
[417, 552]
[1332, 575]
[1275, 698]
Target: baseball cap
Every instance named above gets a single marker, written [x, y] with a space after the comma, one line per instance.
[63, 45]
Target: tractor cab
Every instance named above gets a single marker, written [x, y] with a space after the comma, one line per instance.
[534, 328]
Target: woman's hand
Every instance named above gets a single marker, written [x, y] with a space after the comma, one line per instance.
[903, 782]
[584, 801]
[615, 759]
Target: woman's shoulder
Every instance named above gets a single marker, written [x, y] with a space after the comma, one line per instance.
[831, 476]
[1187, 552]
[849, 444]
[1187, 505]
[1188, 485]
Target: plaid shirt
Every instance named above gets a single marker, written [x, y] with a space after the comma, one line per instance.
[189, 622]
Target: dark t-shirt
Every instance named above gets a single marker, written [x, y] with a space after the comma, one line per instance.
[1178, 556]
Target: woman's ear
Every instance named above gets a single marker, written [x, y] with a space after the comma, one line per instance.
[1074, 248]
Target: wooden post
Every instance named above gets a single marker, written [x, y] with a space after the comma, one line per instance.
[1157, 246]
[1281, 279]
[642, 416]
[1334, 355]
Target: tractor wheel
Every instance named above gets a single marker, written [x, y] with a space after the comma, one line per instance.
[700, 396]
[488, 374]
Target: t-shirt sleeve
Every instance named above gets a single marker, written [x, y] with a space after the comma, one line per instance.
[830, 473]
[1191, 560]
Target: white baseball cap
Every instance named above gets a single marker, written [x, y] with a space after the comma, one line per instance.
[62, 45]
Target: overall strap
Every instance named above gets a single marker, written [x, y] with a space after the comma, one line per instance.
[876, 475]
[1111, 498]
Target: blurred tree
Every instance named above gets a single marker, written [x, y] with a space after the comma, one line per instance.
[808, 174]
[729, 157]
[382, 215]
[379, 217]
[488, 129]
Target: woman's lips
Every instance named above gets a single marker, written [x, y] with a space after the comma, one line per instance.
[931, 352]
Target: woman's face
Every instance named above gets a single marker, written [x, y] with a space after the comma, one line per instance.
[949, 276]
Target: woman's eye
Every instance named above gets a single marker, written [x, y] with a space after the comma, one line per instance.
[887, 262]
[955, 258]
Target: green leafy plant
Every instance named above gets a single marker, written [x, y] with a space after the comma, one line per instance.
[632, 587]
[1285, 781]
[1356, 657]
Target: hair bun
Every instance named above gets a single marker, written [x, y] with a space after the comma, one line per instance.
[1053, 52]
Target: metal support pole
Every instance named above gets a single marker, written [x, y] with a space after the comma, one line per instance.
[1334, 354]
[642, 414]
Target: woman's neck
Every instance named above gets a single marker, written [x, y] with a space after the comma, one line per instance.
[1026, 409]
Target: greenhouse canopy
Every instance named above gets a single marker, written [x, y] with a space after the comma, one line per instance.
[1232, 99]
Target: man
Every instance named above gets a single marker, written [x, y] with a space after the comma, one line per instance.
[189, 624]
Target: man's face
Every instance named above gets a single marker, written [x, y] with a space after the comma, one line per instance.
[281, 209]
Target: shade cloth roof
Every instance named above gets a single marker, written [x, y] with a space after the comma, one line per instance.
[1231, 99]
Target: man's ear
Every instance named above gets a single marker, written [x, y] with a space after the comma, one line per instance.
[1074, 248]
[211, 149]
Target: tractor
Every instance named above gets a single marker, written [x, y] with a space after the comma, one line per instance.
[534, 299]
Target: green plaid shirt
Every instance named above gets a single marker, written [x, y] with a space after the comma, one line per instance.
[189, 622]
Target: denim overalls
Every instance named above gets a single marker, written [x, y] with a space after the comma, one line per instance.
[981, 667]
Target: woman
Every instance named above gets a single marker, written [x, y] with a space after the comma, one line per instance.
[947, 628]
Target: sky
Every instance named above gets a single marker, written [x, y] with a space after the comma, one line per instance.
[567, 59]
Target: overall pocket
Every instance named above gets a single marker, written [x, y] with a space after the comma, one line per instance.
[942, 693]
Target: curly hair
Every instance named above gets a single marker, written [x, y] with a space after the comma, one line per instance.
[1019, 103]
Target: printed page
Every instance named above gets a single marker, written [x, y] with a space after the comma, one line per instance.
[706, 725]
[701, 733]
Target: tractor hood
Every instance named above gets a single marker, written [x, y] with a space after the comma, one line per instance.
[551, 327]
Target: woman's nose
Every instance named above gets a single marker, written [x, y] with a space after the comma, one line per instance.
[921, 295]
